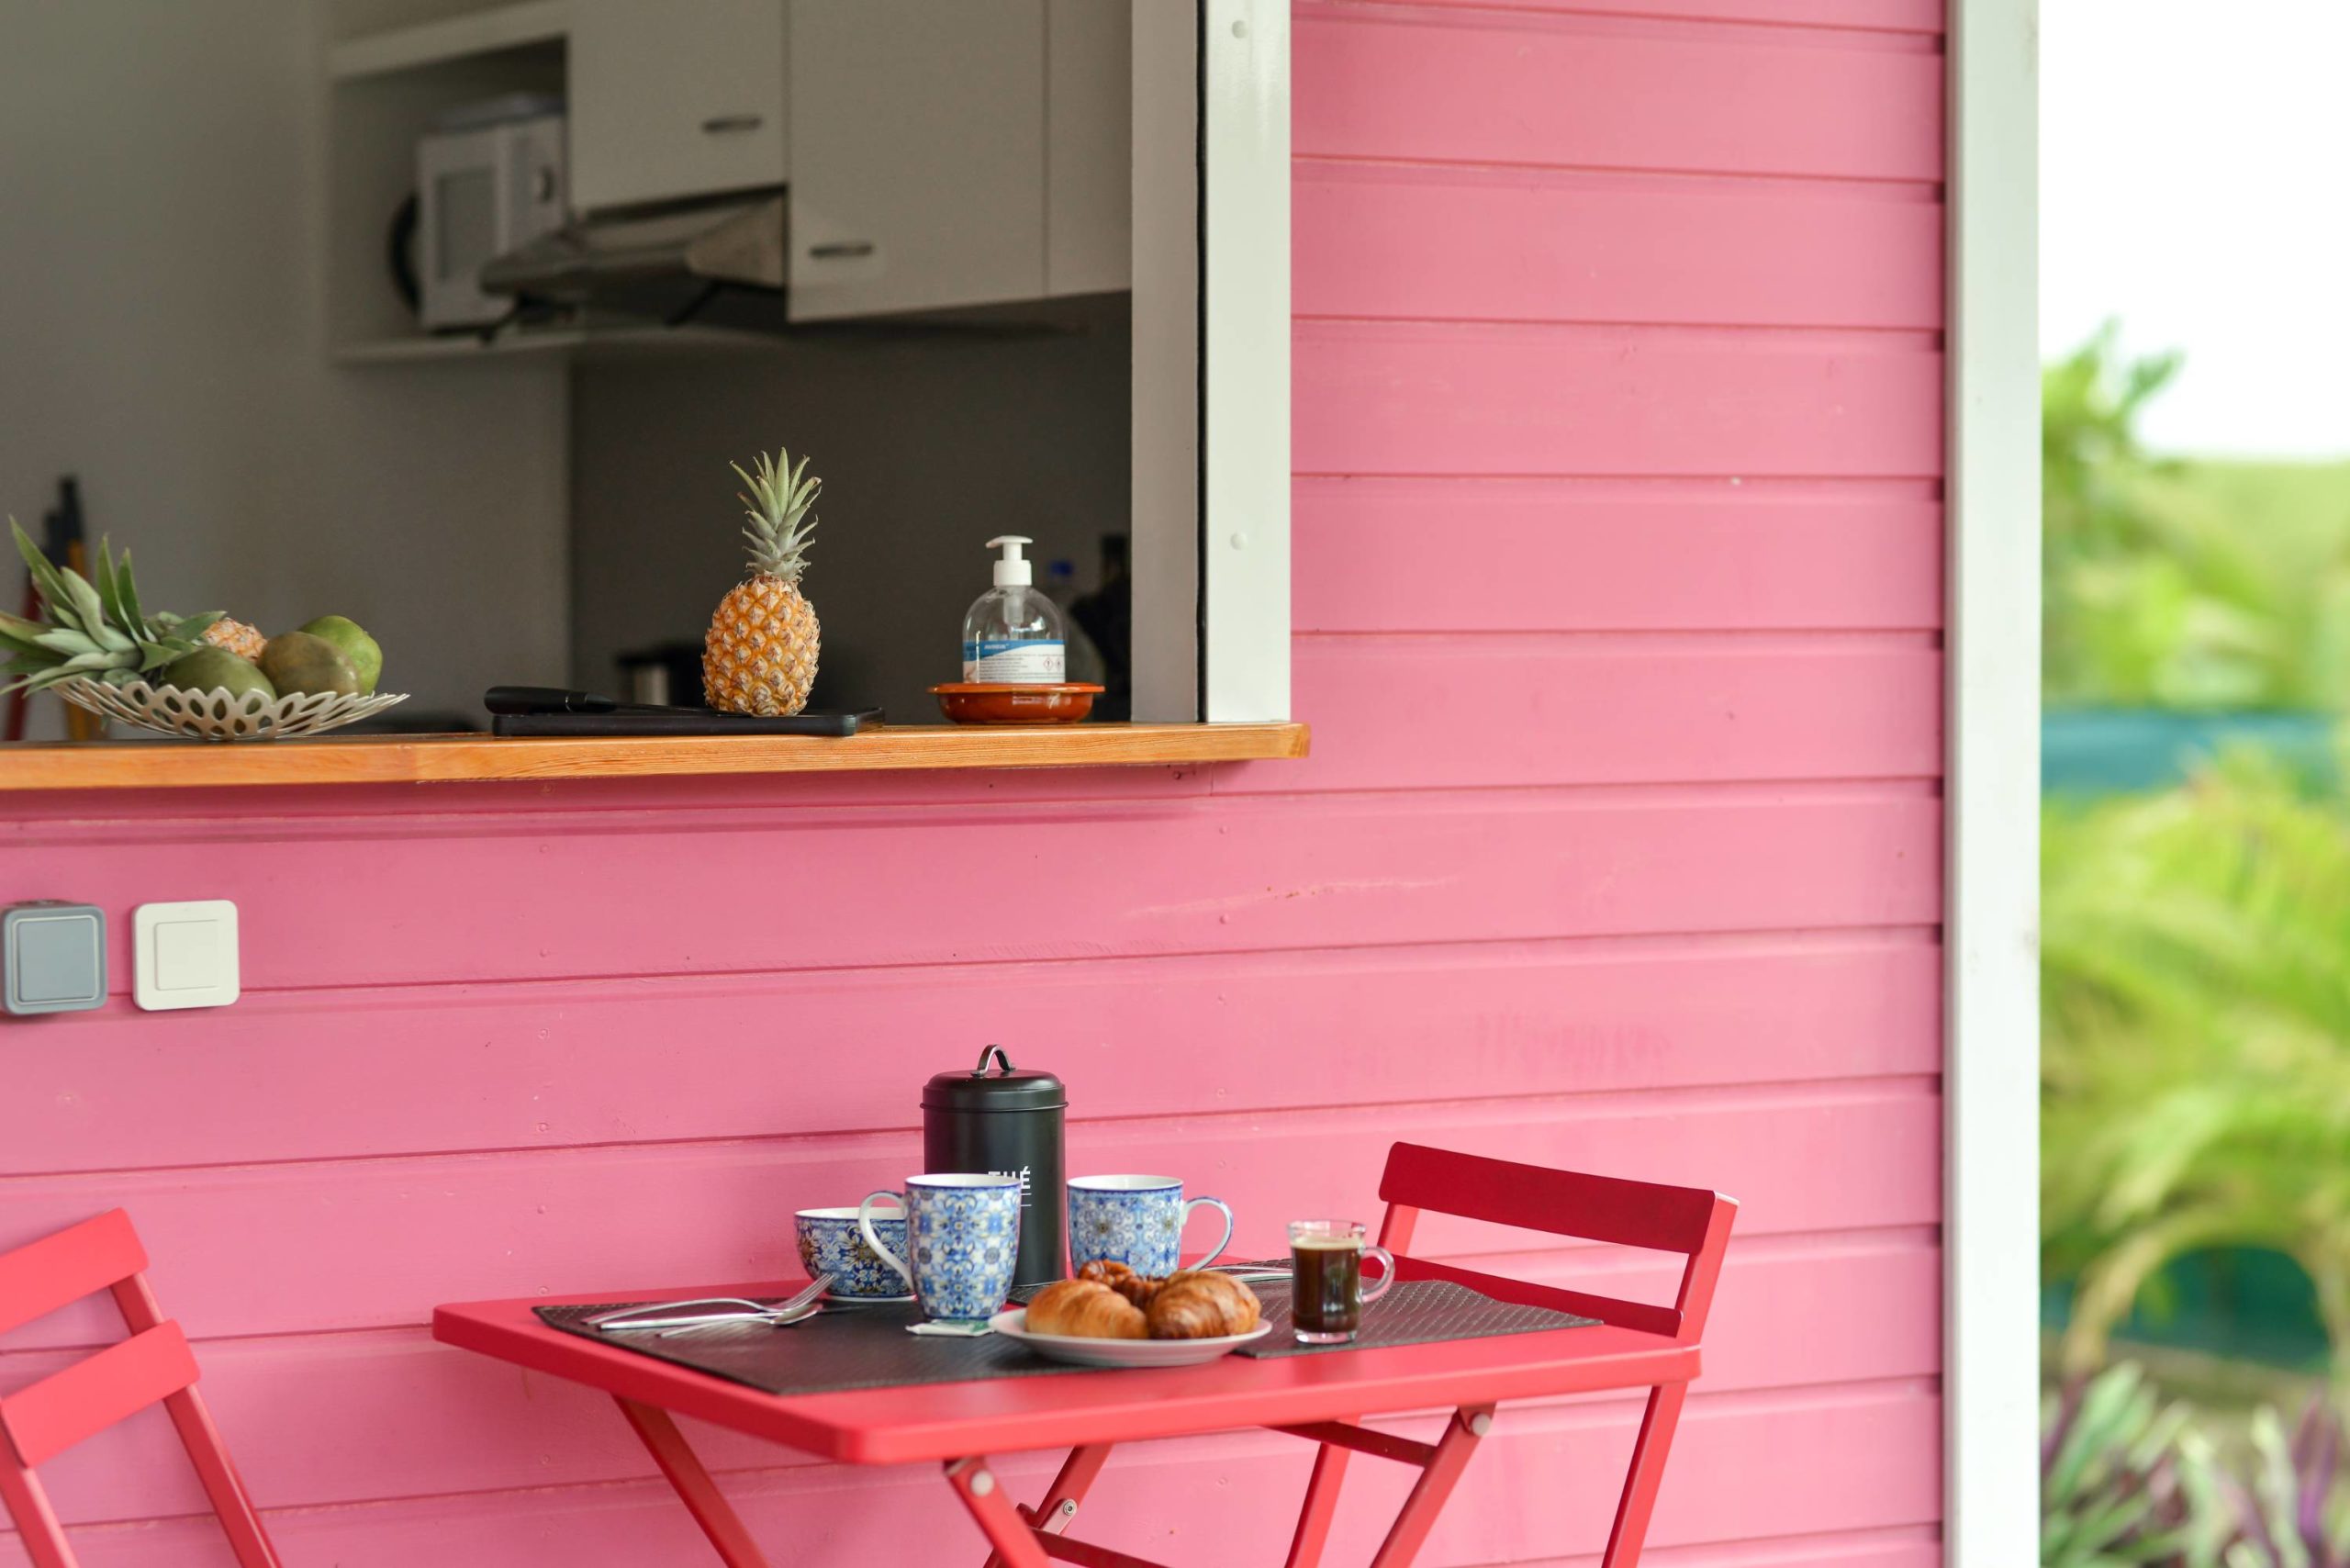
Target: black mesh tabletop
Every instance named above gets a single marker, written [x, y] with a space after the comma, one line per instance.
[839, 1348]
[845, 1348]
[1416, 1312]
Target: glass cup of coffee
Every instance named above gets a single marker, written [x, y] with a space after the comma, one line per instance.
[1327, 1296]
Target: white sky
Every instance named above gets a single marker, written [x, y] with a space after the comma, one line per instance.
[2195, 183]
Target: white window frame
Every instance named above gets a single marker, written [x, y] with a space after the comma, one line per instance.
[1991, 1038]
[1212, 360]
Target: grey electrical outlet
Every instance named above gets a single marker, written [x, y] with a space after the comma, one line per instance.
[52, 958]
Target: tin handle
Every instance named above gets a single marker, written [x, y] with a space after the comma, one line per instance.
[997, 1052]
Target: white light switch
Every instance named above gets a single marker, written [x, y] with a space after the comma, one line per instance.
[184, 955]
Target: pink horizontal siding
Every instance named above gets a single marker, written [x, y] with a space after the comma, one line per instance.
[1635, 556]
[1564, 91]
[1517, 245]
[1619, 601]
[1488, 399]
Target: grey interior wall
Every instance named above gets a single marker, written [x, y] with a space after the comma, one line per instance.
[162, 184]
[928, 445]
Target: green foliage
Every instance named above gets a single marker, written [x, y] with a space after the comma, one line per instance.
[2195, 1001]
[2125, 1482]
[2128, 1480]
[2183, 585]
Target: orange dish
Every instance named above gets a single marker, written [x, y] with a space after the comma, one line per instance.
[985, 703]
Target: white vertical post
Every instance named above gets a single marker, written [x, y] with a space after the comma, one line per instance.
[1245, 290]
[1991, 1042]
[1211, 358]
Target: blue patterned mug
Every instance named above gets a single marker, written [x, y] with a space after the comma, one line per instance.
[832, 1243]
[962, 1241]
[1136, 1220]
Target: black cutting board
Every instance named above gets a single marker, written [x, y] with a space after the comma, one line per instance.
[681, 722]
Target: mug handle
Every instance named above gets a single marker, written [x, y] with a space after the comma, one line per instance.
[1221, 1207]
[1387, 1276]
[864, 1228]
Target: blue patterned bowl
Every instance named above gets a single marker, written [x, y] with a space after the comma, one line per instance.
[831, 1244]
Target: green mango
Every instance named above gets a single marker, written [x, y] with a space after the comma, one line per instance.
[365, 656]
[217, 669]
[299, 661]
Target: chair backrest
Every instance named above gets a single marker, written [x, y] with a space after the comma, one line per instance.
[1691, 1221]
[153, 1366]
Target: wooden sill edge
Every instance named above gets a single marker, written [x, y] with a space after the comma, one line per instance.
[470, 758]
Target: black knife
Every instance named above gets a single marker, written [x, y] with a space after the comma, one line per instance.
[556, 700]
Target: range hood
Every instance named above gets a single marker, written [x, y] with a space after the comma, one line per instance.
[717, 260]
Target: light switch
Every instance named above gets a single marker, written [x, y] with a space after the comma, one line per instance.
[54, 957]
[184, 955]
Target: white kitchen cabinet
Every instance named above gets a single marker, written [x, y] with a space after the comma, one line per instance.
[917, 154]
[676, 98]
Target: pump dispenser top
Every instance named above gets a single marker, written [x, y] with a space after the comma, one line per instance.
[1012, 571]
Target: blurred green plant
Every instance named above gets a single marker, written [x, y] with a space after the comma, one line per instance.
[2182, 585]
[2195, 1003]
[2127, 1480]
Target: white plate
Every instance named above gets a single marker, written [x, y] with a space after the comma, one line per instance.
[1083, 1352]
[866, 1300]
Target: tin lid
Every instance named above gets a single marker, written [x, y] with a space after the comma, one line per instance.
[1008, 1089]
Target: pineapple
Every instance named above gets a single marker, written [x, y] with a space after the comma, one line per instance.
[244, 641]
[759, 655]
[94, 632]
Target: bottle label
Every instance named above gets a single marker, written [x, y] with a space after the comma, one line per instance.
[1014, 663]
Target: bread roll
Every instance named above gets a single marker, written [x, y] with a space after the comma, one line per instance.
[1085, 1309]
[1196, 1304]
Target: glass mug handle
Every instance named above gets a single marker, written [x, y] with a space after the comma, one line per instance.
[1221, 1207]
[864, 1228]
[1387, 1275]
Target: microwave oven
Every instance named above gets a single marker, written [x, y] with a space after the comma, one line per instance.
[488, 181]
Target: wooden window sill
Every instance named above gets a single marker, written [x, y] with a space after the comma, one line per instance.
[465, 758]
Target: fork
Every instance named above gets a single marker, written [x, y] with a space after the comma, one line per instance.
[781, 1315]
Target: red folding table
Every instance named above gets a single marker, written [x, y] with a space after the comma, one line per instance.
[1321, 1398]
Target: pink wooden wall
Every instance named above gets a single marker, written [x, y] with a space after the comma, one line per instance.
[1618, 409]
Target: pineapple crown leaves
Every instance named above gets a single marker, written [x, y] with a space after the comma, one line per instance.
[94, 631]
[779, 502]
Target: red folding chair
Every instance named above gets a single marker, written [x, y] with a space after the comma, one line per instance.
[41, 1421]
[1688, 1220]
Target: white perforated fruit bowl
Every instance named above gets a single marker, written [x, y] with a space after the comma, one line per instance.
[214, 715]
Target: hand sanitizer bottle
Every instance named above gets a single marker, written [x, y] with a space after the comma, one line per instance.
[1013, 634]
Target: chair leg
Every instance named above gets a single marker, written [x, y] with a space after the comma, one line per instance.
[221, 1482]
[37, 1526]
[1068, 1489]
[1646, 1473]
[982, 1494]
[1434, 1486]
[694, 1488]
[1321, 1507]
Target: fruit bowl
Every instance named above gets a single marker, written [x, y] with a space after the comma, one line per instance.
[217, 715]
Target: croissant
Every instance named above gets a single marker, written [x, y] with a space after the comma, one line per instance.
[1087, 1309]
[1194, 1305]
[1135, 1288]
